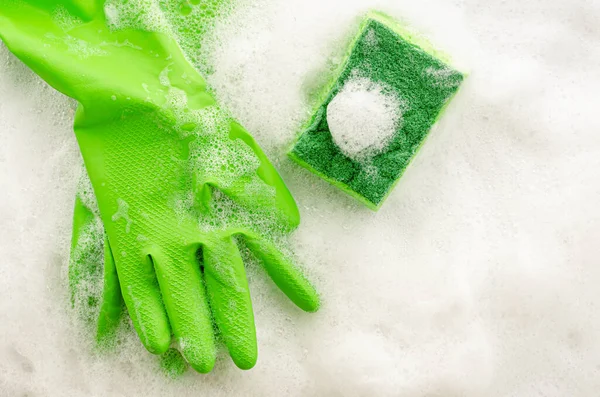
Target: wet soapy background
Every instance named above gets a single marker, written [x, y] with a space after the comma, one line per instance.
[478, 276]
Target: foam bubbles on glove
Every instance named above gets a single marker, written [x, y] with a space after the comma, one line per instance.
[218, 163]
[136, 14]
[213, 155]
[86, 262]
[86, 269]
[64, 19]
[85, 193]
[123, 213]
[363, 117]
[185, 21]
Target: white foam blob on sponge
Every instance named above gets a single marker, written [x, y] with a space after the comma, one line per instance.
[363, 117]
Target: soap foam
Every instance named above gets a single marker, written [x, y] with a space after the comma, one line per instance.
[478, 277]
[220, 162]
[363, 117]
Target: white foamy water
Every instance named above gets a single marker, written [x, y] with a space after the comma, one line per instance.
[362, 118]
[477, 278]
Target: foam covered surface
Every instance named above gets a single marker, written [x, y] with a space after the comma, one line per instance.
[477, 278]
[363, 118]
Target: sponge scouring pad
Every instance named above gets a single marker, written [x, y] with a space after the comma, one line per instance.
[387, 62]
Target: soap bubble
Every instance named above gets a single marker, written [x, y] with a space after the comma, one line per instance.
[363, 117]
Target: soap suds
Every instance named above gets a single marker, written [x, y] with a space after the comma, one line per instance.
[86, 270]
[85, 193]
[363, 117]
[216, 162]
[185, 21]
[478, 277]
[123, 213]
[443, 77]
[65, 20]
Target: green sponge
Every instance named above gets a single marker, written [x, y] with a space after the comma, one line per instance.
[403, 67]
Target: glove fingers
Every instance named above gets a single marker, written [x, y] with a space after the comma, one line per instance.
[111, 308]
[230, 301]
[280, 205]
[285, 275]
[187, 306]
[142, 297]
[85, 263]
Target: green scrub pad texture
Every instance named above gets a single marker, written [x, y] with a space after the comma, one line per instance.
[376, 111]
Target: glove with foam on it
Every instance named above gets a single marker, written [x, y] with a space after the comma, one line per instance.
[173, 174]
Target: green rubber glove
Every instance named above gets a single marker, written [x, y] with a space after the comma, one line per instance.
[178, 183]
[94, 282]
